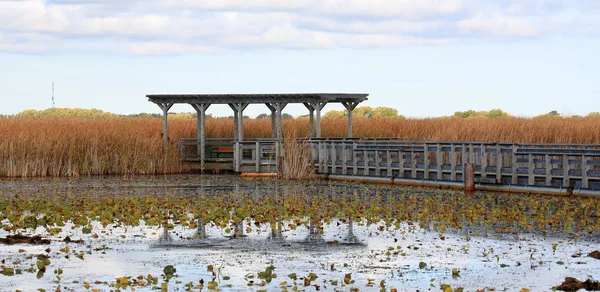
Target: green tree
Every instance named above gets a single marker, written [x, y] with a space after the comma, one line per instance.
[594, 115]
[363, 112]
[385, 112]
[497, 113]
[334, 114]
[465, 114]
[262, 116]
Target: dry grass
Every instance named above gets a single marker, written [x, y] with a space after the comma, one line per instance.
[296, 159]
[127, 146]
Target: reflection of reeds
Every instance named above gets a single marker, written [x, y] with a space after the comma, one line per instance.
[297, 155]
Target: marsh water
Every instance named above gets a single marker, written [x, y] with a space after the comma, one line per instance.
[412, 253]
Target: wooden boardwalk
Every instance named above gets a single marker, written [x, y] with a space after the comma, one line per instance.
[565, 166]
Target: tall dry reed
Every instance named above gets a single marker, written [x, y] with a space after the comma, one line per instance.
[127, 146]
[296, 162]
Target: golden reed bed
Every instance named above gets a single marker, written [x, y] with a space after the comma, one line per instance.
[127, 146]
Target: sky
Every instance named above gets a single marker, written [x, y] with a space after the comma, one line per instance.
[425, 58]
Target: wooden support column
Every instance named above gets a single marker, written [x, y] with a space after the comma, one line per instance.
[350, 106]
[238, 114]
[276, 109]
[165, 107]
[273, 130]
[201, 128]
[318, 106]
[311, 121]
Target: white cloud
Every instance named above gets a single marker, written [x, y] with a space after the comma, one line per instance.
[167, 48]
[498, 25]
[270, 5]
[195, 27]
[392, 8]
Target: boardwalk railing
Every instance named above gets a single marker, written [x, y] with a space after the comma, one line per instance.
[571, 166]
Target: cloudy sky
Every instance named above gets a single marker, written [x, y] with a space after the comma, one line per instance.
[423, 57]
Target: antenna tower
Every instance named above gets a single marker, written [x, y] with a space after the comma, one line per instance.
[52, 94]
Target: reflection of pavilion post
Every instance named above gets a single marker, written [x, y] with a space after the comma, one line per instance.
[238, 229]
[276, 229]
[201, 229]
[314, 233]
[351, 238]
[165, 235]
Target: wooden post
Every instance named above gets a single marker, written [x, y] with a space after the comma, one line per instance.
[235, 124]
[279, 106]
[354, 159]
[344, 159]
[277, 150]
[165, 107]
[439, 162]
[311, 111]
[530, 170]
[400, 164]
[238, 116]
[584, 174]
[498, 164]
[452, 162]
[388, 158]
[350, 107]
[242, 107]
[201, 128]
[515, 166]
[464, 158]
[469, 177]
[333, 157]
[257, 156]
[273, 113]
[318, 107]
[365, 163]
[377, 163]
[413, 165]
[425, 161]
[483, 162]
[548, 171]
[566, 176]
